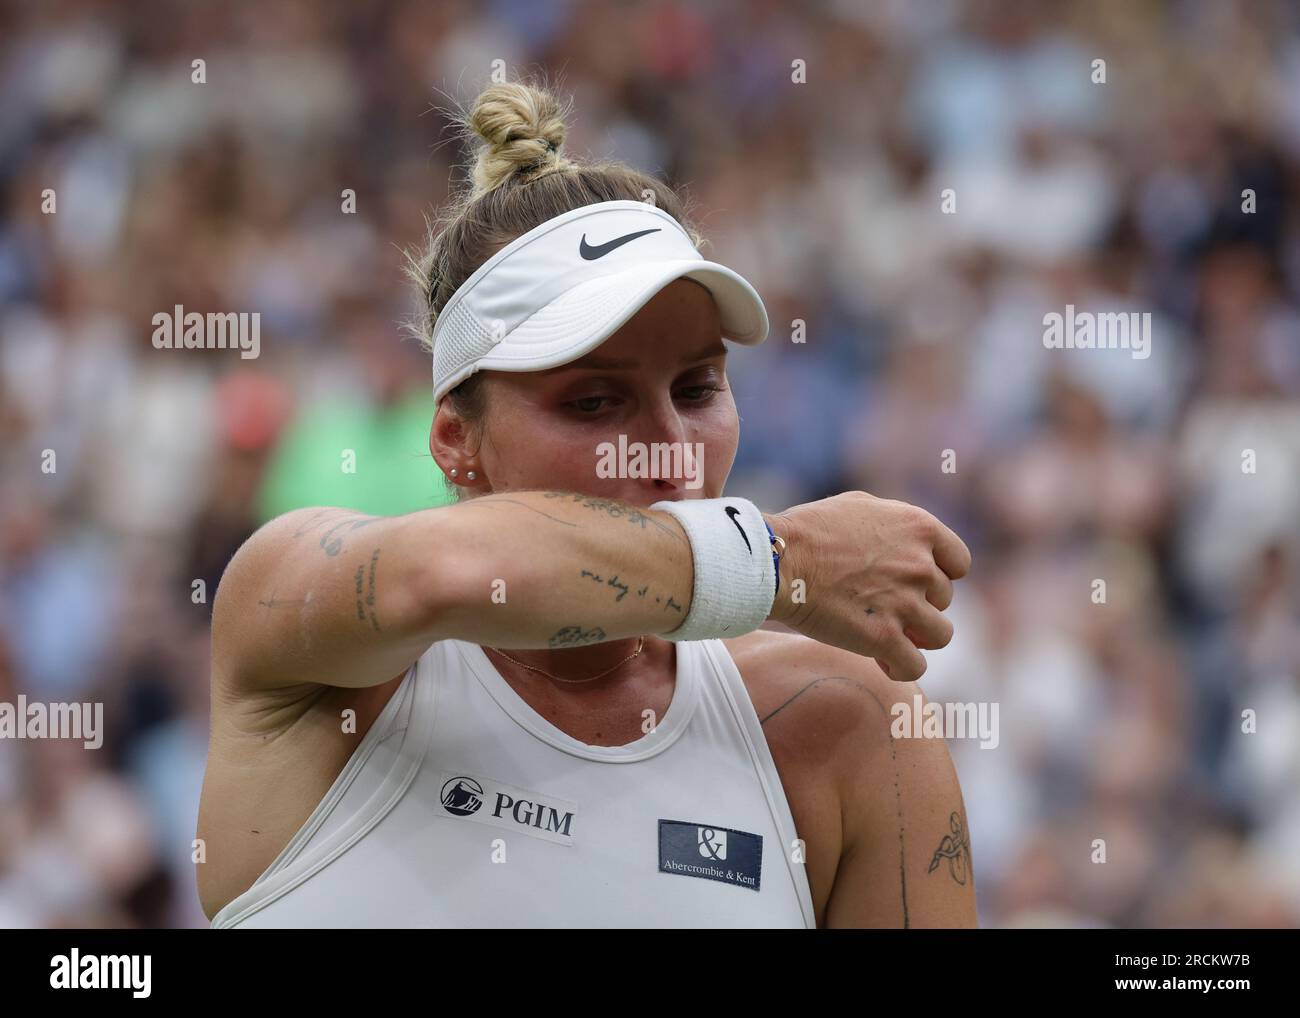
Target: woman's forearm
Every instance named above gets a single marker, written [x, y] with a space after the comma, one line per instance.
[556, 569]
[336, 597]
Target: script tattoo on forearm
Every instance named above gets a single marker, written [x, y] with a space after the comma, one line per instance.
[617, 510]
[576, 636]
[955, 848]
[668, 603]
[366, 595]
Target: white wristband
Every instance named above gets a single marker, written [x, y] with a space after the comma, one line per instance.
[735, 577]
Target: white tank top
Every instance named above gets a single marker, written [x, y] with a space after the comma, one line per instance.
[464, 807]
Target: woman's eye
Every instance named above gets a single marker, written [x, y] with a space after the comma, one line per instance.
[588, 404]
[697, 393]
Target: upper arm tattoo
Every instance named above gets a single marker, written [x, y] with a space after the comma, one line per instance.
[893, 761]
[955, 848]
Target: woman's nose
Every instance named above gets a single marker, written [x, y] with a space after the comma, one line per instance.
[661, 423]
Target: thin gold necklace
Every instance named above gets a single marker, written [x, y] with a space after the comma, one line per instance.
[640, 643]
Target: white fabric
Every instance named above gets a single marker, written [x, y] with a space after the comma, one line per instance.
[538, 303]
[735, 577]
[381, 849]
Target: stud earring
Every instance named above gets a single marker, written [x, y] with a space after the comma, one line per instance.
[471, 475]
[454, 471]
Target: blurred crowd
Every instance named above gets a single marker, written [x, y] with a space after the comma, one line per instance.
[1134, 609]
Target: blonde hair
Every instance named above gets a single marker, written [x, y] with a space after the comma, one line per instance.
[519, 179]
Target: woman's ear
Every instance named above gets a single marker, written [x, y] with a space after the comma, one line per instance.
[449, 440]
[453, 443]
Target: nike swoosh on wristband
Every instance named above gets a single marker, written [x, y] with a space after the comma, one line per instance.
[733, 512]
[591, 253]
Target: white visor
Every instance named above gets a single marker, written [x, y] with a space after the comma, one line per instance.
[563, 288]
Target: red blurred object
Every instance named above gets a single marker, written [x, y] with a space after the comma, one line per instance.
[252, 407]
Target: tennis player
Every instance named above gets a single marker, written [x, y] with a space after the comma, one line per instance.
[551, 703]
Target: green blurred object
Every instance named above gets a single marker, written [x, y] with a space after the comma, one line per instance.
[394, 473]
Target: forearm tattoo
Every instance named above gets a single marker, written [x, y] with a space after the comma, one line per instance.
[616, 510]
[576, 636]
[366, 600]
[668, 603]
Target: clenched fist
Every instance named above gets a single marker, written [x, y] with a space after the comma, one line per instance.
[878, 575]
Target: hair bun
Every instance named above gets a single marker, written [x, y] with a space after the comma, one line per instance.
[522, 126]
